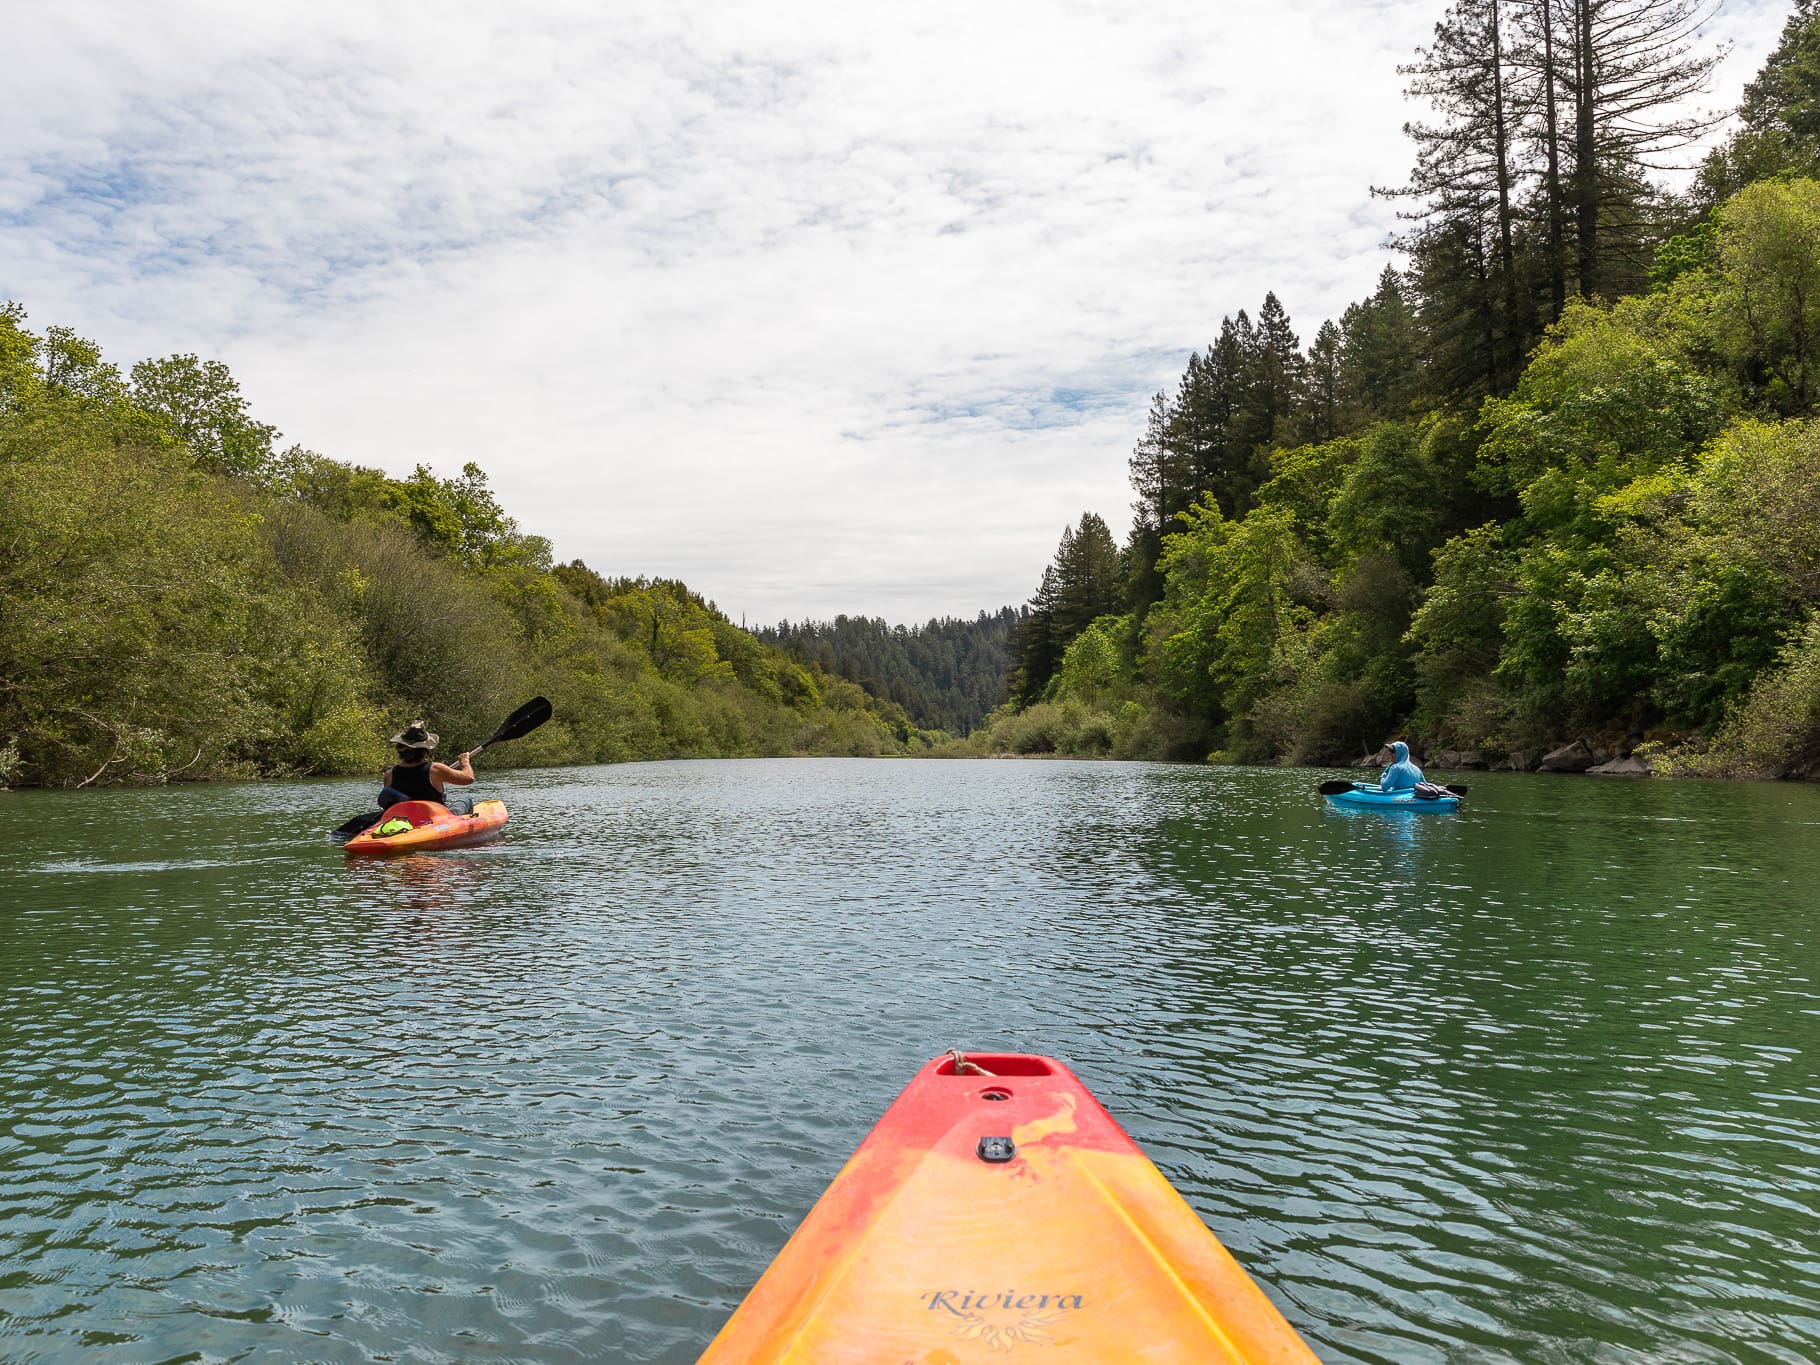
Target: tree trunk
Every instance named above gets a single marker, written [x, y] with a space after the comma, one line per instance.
[1557, 264]
[1507, 257]
[1586, 151]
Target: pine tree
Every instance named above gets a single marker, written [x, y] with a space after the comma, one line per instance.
[1381, 350]
[1322, 391]
[1455, 283]
[1627, 69]
[1083, 583]
[1087, 572]
[1225, 464]
[1035, 647]
[1466, 175]
[1161, 484]
[1786, 92]
[1163, 488]
[1279, 369]
[1535, 55]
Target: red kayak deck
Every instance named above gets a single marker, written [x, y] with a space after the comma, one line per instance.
[433, 826]
[1007, 1218]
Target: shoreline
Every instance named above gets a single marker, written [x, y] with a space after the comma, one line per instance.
[1336, 768]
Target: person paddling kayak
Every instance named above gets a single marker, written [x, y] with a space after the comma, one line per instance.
[1401, 775]
[416, 777]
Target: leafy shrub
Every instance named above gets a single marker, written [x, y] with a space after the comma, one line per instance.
[1774, 733]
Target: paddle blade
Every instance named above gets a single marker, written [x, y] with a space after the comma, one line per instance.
[520, 723]
[1334, 786]
[1457, 791]
[357, 825]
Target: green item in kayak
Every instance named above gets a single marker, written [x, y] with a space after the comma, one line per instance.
[394, 827]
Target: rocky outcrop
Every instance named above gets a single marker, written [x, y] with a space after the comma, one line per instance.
[1457, 759]
[1576, 757]
[1629, 766]
[1522, 761]
[1383, 758]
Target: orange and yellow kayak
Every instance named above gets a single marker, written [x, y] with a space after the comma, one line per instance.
[998, 1213]
[433, 826]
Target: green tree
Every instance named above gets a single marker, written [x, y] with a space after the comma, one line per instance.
[1324, 398]
[1467, 172]
[1630, 70]
[1276, 372]
[1779, 117]
[1164, 486]
[1457, 633]
[1387, 501]
[1082, 584]
[1767, 314]
[201, 403]
[1381, 350]
[1092, 667]
[1229, 607]
[1602, 403]
[462, 518]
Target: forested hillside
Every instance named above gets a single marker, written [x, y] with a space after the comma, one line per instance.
[947, 675]
[180, 600]
[1559, 477]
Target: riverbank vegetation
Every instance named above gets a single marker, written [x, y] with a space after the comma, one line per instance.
[180, 600]
[1558, 477]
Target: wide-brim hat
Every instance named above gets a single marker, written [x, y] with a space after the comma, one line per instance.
[414, 736]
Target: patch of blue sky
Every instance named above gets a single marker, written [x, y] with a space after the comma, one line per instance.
[96, 191]
[134, 214]
[1092, 400]
[1043, 410]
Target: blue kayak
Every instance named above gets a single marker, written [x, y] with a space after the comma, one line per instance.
[1367, 796]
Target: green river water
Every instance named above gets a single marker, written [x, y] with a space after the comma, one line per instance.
[1539, 1082]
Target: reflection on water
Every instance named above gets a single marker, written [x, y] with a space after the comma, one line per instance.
[1400, 842]
[423, 882]
[1536, 1081]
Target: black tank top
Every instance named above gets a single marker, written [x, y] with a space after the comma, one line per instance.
[414, 781]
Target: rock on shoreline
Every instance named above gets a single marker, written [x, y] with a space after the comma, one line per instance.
[1628, 766]
[1576, 756]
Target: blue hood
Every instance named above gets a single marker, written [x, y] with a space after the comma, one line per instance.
[1402, 774]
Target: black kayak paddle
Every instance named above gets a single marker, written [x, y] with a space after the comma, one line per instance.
[515, 726]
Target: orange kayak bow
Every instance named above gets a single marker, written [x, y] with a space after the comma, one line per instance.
[998, 1213]
[433, 826]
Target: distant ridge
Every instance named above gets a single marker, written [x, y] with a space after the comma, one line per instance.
[947, 674]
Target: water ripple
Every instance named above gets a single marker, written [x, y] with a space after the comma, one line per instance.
[1538, 1083]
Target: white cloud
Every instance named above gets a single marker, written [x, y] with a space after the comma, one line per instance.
[819, 308]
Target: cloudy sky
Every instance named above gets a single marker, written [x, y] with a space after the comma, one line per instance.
[819, 307]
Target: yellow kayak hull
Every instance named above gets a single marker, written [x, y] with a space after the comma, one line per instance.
[1005, 1218]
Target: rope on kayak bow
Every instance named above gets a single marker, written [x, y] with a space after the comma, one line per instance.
[963, 1067]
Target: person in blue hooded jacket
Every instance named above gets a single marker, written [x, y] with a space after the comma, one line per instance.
[1401, 775]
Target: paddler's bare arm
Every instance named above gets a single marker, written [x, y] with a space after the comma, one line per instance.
[460, 772]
